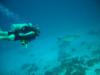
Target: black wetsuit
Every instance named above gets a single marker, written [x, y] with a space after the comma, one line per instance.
[24, 30]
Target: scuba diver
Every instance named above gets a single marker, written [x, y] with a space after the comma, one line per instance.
[21, 32]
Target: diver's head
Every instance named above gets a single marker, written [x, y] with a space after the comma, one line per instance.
[30, 24]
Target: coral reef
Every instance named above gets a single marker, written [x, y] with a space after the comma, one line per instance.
[97, 71]
[72, 66]
[67, 63]
[93, 61]
[29, 69]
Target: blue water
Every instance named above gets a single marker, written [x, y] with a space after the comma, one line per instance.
[69, 42]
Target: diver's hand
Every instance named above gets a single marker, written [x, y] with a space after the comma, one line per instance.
[24, 43]
[21, 34]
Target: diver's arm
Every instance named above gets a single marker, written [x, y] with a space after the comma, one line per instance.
[27, 34]
[25, 42]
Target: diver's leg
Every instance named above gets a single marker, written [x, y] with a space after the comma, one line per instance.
[10, 37]
[3, 33]
[3, 37]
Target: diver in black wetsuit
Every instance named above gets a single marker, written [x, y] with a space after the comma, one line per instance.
[22, 32]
